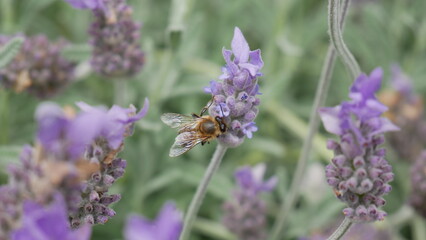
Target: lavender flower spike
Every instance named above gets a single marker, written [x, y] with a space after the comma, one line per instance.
[167, 226]
[359, 173]
[38, 68]
[245, 214]
[235, 95]
[115, 40]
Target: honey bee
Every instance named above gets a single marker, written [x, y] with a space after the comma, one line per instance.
[193, 129]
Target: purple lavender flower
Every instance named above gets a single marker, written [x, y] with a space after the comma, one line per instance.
[58, 131]
[95, 136]
[38, 68]
[406, 111]
[418, 185]
[48, 222]
[167, 225]
[235, 95]
[76, 160]
[115, 40]
[87, 4]
[359, 173]
[245, 214]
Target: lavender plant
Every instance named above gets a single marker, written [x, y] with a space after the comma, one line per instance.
[235, 95]
[167, 225]
[245, 213]
[75, 158]
[233, 100]
[359, 173]
[38, 68]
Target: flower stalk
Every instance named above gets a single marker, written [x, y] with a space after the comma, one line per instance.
[336, 37]
[201, 191]
[321, 93]
[341, 230]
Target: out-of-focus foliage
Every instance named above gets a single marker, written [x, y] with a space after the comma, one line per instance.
[182, 41]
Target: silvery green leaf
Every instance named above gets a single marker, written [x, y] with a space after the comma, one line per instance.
[9, 50]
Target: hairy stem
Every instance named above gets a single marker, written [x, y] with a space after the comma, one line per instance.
[336, 36]
[341, 230]
[321, 93]
[201, 191]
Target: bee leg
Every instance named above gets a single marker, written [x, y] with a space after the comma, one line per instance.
[204, 110]
[203, 142]
[195, 115]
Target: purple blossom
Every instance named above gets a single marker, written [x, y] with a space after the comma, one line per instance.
[87, 4]
[236, 91]
[48, 223]
[249, 128]
[57, 130]
[245, 213]
[251, 178]
[359, 173]
[167, 225]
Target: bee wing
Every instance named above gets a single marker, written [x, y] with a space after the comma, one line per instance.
[184, 142]
[176, 120]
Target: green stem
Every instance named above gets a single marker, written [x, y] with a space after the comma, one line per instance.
[341, 230]
[321, 93]
[336, 37]
[201, 191]
[120, 92]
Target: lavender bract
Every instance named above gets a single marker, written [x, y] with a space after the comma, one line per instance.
[167, 225]
[359, 173]
[245, 214]
[115, 40]
[38, 68]
[235, 96]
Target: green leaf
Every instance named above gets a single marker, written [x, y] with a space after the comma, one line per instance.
[9, 50]
[213, 229]
[9, 154]
[220, 185]
[299, 128]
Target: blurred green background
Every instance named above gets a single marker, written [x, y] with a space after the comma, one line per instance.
[182, 40]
